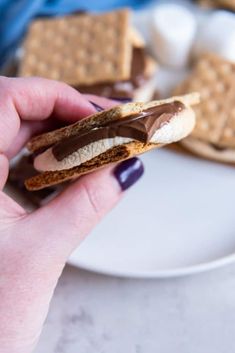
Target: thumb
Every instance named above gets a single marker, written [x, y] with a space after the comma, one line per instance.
[63, 223]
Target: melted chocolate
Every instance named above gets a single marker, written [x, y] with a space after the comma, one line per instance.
[122, 89]
[140, 127]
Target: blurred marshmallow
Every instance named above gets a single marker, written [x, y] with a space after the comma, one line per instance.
[217, 35]
[173, 32]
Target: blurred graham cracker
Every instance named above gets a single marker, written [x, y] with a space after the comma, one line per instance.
[79, 49]
[229, 4]
[214, 78]
[207, 3]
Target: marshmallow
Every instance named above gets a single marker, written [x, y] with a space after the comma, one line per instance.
[173, 32]
[217, 35]
[47, 162]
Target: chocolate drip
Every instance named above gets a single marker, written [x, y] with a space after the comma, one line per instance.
[140, 127]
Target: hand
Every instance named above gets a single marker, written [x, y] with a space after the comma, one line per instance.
[34, 247]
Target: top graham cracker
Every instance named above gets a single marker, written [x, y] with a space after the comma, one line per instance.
[214, 78]
[79, 49]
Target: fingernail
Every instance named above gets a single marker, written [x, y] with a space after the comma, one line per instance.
[123, 100]
[128, 172]
[97, 107]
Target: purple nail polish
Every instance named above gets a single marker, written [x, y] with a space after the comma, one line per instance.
[122, 100]
[97, 107]
[128, 172]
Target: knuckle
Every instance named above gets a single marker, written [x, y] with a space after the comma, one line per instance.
[92, 198]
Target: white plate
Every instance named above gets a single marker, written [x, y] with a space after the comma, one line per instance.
[179, 219]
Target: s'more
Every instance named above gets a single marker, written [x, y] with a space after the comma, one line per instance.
[100, 54]
[109, 136]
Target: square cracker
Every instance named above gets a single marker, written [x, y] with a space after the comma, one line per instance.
[229, 4]
[214, 78]
[79, 49]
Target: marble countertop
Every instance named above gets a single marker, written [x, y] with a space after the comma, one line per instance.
[92, 313]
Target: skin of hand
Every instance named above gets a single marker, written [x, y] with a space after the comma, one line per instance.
[34, 246]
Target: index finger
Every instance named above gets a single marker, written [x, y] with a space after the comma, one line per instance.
[36, 99]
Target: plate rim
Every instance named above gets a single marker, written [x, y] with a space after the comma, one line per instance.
[158, 274]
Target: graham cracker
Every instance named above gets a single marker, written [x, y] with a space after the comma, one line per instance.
[79, 49]
[112, 155]
[227, 4]
[214, 78]
[207, 3]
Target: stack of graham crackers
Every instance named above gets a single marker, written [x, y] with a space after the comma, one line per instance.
[98, 54]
